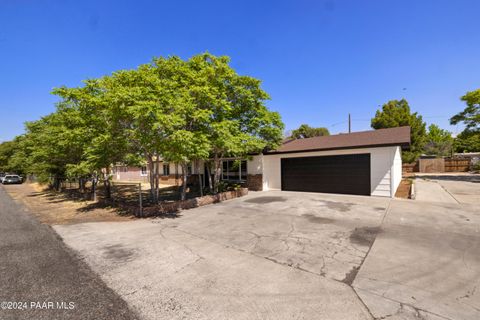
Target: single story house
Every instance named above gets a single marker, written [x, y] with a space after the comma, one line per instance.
[360, 163]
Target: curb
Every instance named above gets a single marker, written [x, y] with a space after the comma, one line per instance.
[412, 190]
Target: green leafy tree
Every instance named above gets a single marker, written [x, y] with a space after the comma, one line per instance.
[172, 109]
[439, 142]
[470, 116]
[238, 121]
[305, 131]
[19, 159]
[469, 139]
[7, 150]
[185, 136]
[49, 145]
[144, 102]
[100, 138]
[396, 113]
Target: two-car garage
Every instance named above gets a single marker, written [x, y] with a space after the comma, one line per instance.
[360, 163]
[348, 174]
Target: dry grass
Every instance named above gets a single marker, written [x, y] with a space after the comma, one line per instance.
[61, 208]
[403, 190]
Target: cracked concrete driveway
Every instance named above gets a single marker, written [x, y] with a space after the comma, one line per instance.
[287, 255]
[425, 264]
[271, 255]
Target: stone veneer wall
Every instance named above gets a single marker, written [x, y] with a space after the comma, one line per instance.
[255, 182]
[176, 206]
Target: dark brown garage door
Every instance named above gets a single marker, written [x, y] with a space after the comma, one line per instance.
[347, 174]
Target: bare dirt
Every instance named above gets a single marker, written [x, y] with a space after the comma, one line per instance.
[403, 190]
[59, 208]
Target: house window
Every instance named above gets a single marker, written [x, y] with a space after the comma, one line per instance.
[144, 171]
[234, 170]
[166, 169]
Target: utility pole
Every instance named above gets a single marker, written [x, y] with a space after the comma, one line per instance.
[349, 124]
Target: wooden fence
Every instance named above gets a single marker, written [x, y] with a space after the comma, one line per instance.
[410, 167]
[450, 165]
[457, 165]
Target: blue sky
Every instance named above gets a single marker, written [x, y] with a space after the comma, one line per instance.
[319, 60]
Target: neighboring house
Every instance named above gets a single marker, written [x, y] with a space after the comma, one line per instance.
[362, 163]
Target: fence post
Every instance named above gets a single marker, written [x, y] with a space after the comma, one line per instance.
[112, 195]
[140, 198]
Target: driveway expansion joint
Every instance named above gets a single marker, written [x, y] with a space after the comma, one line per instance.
[402, 306]
[361, 263]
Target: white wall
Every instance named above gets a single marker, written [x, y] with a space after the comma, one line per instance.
[386, 169]
[255, 165]
[397, 170]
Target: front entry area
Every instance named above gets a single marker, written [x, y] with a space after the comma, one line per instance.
[345, 174]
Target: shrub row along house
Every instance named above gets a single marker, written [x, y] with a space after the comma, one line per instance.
[361, 163]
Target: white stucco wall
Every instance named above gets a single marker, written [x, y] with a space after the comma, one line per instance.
[397, 169]
[255, 165]
[386, 168]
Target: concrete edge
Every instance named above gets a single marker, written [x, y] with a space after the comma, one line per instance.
[412, 190]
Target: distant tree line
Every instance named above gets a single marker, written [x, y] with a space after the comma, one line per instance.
[432, 140]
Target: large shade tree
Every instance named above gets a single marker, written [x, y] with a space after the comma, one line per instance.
[397, 113]
[238, 121]
[170, 109]
[305, 131]
[439, 142]
[7, 150]
[469, 139]
[100, 136]
[51, 144]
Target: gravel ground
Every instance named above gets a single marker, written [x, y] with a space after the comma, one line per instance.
[37, 268]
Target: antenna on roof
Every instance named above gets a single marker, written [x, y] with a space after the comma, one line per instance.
[349, 124]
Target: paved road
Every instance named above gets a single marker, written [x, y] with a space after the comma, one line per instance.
[36, 266]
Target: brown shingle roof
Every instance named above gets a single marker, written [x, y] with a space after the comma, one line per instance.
[399, 136]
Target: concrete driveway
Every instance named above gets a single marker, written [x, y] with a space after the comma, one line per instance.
[425, 264]
[287, 255]
[463, 188]
[272, 255]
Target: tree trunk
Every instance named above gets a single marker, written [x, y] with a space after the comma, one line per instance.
[94, 187]
[151, 176]
[81, 184]
[209, 174]
[157, 180]
[106, 183]
[183, 194]
[197, 170]
[57, 184]
[217, 173]
[54, 183]
[200, 184]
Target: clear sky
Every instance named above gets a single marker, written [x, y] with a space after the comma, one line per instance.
[319, 60]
